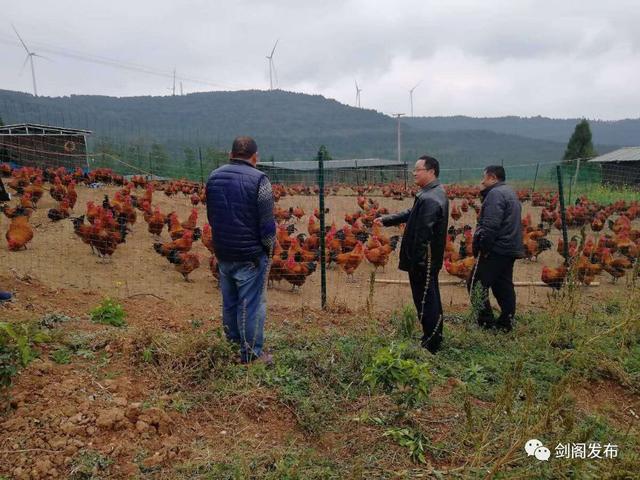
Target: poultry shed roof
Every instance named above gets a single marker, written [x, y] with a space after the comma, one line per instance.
[307, 165]
[36, 129]
[626, 154]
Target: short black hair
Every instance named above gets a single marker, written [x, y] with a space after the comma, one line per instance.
[497, 171]
[243, 147]
[431, 163]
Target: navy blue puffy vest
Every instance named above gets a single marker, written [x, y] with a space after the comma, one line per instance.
[232, 209]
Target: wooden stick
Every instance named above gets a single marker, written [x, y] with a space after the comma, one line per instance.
[460, 283]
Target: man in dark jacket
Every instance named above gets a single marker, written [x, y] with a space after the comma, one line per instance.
[497, 243]
[422, 248]
[240, 212]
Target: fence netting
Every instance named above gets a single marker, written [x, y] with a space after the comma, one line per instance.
[127, 219]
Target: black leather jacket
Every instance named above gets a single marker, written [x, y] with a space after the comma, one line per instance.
[4, 195]
[499, 227]
[426, 223]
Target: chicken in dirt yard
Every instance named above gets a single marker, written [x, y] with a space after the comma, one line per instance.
[104, 239]
[83, 230]
[12, 212]
[185, 263]
[554, 277]
[156, 223]
[181, 244]
[276, 272]
[461, 269]
[207, 237]
[534, 246]
[378, 254]
[62, 211]
[615, 266]
[296, 273]
[350, 261]
[19, 233]
[192, 222]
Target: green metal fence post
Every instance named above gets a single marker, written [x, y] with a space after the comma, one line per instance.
[201, 171]
[323, 261]
[563, 216]
[535, 178]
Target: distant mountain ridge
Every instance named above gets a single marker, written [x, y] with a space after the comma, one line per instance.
[291, 125]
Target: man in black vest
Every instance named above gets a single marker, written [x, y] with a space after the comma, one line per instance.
[240, 212]
[422, 248]
[497, 243]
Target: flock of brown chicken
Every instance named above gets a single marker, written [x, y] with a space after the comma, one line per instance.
[104, 226]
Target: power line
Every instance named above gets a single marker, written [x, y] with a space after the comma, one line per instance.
[64, 52]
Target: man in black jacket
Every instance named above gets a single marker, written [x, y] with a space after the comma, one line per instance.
[422, 247]
[497, 243]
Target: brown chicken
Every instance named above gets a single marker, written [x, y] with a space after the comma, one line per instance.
[296, 273]
[313, 228]
[58, 191]
[156, 222]
[554, 277]
[207, 237]
[104, 240]
[534, 246]
[35, 190]
[192, 221]
[456, 214]
[350, 261]
[615, 266]
[185, 263]
[276, 272]
[378, 254]
[83, 230]
[182, 244]
[62, 211]
[19, 233]
[461, 269]
[72, 195]
[175, 227]
[585, 271]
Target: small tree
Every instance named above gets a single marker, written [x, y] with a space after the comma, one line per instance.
[323, 153]
[580, 144]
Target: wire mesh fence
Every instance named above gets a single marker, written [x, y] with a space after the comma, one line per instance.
[151, 205]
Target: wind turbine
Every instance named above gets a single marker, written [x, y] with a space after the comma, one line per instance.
[358, 90]
[411, 95]
[272, 69]
[29, 58]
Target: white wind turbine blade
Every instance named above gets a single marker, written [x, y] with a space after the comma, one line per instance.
[26, 59]
[20, 38]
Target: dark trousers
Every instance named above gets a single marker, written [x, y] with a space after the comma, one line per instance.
[495, 272]
[430, 315]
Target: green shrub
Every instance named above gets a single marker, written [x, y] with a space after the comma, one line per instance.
[109, 313]
[412, 440]
[405, 377]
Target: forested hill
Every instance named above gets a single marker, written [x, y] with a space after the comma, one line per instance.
[617, 132]
[292, 126]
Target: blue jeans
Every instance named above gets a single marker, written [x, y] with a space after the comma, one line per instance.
[244, 304]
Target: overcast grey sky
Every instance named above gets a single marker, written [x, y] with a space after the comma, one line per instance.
[481, 58]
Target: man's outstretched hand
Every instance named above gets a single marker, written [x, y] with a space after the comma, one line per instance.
[378, 221]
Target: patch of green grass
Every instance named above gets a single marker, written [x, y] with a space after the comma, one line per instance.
[61, 356]
[406, 378]
[109, 312]
[413, 441]
[90, 465]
